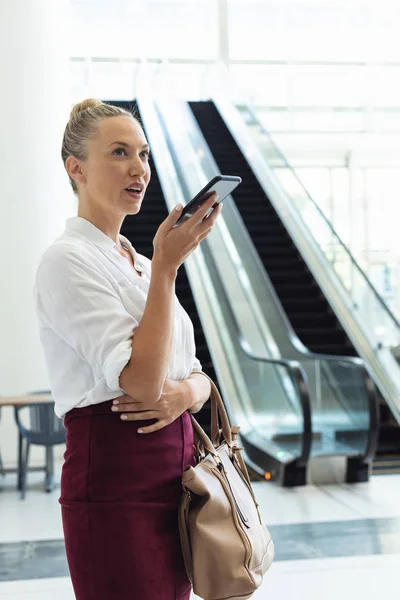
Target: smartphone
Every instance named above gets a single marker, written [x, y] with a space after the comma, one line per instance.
[223, 185]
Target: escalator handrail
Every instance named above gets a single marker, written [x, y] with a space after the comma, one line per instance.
[381, 301]
[372, 396]
[374, 418]
[353, 360]
[300, 378]
[295, 369]
[370, 387]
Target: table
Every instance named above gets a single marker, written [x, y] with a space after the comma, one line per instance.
[25, 401]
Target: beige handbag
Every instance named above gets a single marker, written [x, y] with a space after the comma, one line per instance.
[225, 545]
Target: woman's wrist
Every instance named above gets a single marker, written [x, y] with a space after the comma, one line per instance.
[199, 390]
[163, 269]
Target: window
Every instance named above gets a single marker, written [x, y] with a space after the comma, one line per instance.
[145, 29]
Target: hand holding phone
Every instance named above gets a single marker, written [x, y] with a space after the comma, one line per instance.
[173, 245]
[223, 185]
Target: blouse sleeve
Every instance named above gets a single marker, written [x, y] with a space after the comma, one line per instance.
[196, 368]
[84, 309]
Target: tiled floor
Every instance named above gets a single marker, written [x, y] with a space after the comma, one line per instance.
[348, 577]
[379, 498]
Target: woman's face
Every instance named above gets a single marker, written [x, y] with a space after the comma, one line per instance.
[117, 171]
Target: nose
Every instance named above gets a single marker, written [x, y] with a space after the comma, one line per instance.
[137, 167]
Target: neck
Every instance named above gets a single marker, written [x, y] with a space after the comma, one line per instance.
[110, 224]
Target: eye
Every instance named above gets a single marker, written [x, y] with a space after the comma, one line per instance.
[118, 151]
[145, 154]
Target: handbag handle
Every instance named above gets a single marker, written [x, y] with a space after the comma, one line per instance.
[218, 413]
[202, 437]
[218, 410]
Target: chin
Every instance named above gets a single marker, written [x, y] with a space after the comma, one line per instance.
[133, 210]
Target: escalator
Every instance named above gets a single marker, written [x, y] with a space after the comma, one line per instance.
[341, 393]
[140, 230]
[305, 305]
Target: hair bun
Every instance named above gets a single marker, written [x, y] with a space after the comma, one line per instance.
[84, 105]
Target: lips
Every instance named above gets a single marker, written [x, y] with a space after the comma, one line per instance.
[136, 188]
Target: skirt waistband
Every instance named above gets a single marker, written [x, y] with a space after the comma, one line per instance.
[98, 409]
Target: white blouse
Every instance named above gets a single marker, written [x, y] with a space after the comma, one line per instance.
[89, 301]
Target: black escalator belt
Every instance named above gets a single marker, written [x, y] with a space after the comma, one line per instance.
[140, 230]
[304, 303]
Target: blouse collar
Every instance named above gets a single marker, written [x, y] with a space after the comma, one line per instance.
[86, 229]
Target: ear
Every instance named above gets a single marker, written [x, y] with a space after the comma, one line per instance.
[75, 169]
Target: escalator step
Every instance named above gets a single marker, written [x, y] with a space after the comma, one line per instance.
[329, 348]
[321, 334]
[289, 288]
[305, 320]
[287, 275]
[255, 220]
[273, 243]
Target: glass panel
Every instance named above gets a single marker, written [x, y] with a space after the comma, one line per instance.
[384, 91]
[112, 79]
[132, 28]
[326, 119]
[340, 411]
[368, 305]
[340, 217]
[245, 83]
[333, 86]
[271, 403]
[297, 31]
[183, 80]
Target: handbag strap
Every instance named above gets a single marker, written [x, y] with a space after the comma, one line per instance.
[218, 410]
[218, 413]
[202, 438]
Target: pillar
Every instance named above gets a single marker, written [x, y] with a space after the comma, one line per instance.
[35, 195]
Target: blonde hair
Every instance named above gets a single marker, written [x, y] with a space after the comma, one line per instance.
[82, 125]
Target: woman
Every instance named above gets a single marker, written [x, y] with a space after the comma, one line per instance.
[120, 355]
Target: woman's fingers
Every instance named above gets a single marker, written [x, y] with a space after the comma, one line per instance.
[156, 427]
[200, 214]
[135, 415]
[128, 406]
[123, 399]
[208, 222]
[142, 416]
[172, 246]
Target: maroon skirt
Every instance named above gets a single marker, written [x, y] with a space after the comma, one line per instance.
[120, 493]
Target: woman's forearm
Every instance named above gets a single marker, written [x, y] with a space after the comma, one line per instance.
[144, 375]
[201, 390]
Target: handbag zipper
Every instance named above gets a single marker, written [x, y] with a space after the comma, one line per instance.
[239, 470]
[242, 516]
